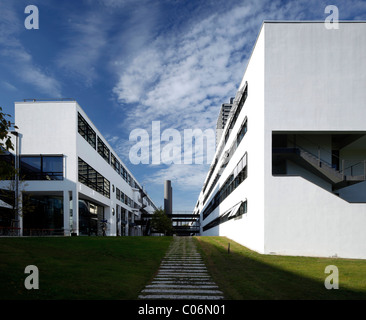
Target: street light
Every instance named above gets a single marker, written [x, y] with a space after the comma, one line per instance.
[16, 134]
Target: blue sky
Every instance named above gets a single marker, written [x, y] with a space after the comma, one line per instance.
[131, 62]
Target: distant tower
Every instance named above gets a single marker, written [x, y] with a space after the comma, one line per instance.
[168, 199]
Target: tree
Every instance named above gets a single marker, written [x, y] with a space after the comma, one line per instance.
[7, 171]
[5, 138]
[161, 223]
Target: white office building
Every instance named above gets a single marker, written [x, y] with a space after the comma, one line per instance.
[289, 172]
[71, 182]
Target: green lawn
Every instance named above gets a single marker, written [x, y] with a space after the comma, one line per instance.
[119, 268]
[80, 267]
[244, 274]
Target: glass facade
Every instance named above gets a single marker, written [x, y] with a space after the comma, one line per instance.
[235, 213]
[91, 217]
[86, 131]
[93, 179]
[44, 215]
[103, 150]
[239, 174]
[41, 167]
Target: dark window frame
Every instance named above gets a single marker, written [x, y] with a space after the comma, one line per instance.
[42, 174]
[103, 150]
[93, 179]
[86, 131]
[227, 188]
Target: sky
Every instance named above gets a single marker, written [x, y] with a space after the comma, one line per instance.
[132, 63]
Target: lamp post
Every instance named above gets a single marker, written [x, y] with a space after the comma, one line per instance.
[16, 134]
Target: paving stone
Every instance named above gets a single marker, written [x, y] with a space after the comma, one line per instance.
[182, 275]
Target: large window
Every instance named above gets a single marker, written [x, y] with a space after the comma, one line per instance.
[237, 112]
[243, 130]
[103, 150]
[93, 179]
[124, 173]
[86, 131]
[115, 163]
[45, 216]
[239, 174]
[234, 213]
[41, 167]
[90, 217]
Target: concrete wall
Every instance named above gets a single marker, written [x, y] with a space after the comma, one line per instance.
[249, 230]
[314, 81]
[52, 128]
[303, 79]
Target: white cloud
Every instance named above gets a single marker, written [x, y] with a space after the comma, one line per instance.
[8, 86]
[22, 64]
[183, 78]
[183, 176]
[86, 40]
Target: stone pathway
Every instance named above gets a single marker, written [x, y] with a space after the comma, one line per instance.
[182, 275]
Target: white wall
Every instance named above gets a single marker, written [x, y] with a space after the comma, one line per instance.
[303, 219]
[248, 230]
[314, 82]
[52, 128]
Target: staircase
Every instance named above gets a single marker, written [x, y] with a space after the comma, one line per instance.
[319, 167]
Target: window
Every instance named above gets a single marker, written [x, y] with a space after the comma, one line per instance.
[93, 179]
[242, 100]
[234, 213]
[243, 130]
[118, 194]
[115, 163]
[103, 150]
[124, 173]
[239, 174]
[86, 131]
[41, 167]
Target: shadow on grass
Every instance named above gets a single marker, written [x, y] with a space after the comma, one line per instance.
[244, 274]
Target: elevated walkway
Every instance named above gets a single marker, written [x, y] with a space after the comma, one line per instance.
[184, 224]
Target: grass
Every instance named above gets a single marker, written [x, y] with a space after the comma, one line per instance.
[85, 268]
[100, 268]
[244, 274]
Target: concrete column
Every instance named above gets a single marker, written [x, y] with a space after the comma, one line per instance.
[75, 211]
[66, 209]
[108, 217]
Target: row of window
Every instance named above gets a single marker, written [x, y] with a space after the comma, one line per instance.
[234, 213]
[125, 199]
[240, 135]
[93, 179]
[97, 143]
[86, 131]
[239, 174]
[243, 98]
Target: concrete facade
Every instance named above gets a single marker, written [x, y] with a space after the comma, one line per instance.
[305, 146]
[51, 128]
